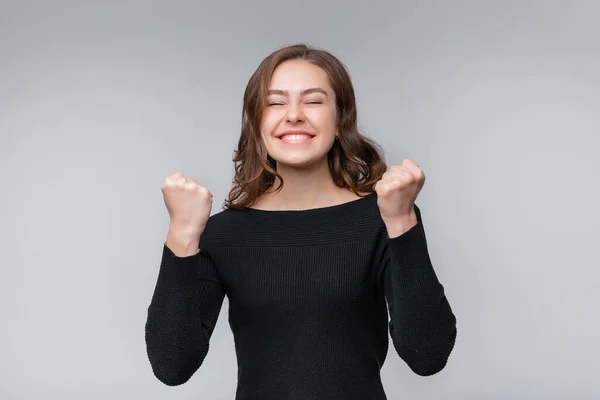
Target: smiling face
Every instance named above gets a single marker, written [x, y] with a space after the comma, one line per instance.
[300, 101]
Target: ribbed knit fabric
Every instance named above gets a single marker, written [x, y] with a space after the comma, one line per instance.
[307, 292]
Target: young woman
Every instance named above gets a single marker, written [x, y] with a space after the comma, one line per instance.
[316, 242]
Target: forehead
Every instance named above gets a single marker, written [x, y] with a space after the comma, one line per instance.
[296, 75]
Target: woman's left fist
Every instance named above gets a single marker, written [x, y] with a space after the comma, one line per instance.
[398, 189]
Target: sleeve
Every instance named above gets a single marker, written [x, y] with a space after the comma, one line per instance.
[422, 325]
[182, 314]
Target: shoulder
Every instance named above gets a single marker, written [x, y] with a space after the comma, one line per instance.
[224, 228]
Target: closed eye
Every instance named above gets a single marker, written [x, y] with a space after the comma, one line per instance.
[308, 102]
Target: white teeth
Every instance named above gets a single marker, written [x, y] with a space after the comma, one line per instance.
[295, 137]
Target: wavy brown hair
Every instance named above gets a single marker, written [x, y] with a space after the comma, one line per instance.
[355, 161]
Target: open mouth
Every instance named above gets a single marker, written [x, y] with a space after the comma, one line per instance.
[295, 138]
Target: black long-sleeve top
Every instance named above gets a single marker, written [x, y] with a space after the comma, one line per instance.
[307, 292]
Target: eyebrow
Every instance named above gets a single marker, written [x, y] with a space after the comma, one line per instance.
[304, 92]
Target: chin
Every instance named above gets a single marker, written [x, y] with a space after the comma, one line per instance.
[296, 162]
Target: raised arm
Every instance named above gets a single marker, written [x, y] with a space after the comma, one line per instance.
[182, 315]
[422, 324]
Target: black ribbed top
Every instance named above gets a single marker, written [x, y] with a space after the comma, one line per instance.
[307, 293]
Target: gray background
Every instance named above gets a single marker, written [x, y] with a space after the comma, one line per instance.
[498, 101]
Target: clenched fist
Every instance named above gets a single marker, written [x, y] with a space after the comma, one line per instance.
[397, 191]
[189, 203]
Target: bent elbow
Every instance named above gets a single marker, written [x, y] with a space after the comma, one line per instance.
[171, 363]
[428, 368]
[170, 377]
[175, 373]
[427, 361]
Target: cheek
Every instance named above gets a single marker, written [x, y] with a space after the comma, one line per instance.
[324, 119]
[268, 123]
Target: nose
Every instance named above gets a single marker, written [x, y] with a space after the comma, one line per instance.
[294, 113]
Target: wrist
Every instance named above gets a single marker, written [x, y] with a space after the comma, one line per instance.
[184, 230]
[401, 224]
[182, 243]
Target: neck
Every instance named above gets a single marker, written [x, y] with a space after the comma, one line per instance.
[304, 188]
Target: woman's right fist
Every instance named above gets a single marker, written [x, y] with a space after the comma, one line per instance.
[189, 203]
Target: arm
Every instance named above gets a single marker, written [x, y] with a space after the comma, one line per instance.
[422, 324]
[182, 314]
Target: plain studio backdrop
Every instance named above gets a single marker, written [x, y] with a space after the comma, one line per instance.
[498, 102]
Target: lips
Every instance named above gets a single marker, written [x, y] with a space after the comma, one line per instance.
[293, 132]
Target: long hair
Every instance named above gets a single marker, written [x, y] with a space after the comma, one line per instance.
[355, 161]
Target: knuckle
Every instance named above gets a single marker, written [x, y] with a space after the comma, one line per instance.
[205, 192]
[189, 185]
